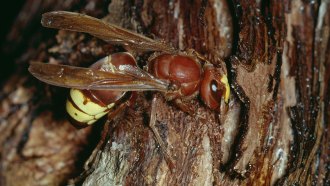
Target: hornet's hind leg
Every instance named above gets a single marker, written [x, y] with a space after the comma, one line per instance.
[168, 158]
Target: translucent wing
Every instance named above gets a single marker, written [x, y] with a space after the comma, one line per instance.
[98, 28]
[127, 78]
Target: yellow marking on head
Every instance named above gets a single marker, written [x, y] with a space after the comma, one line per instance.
[224, 80]
[77, 114]
[85, 104]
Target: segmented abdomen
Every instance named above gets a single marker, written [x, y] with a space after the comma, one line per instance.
[82, 110]
[85, 107]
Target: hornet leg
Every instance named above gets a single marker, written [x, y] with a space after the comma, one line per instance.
[159, 140]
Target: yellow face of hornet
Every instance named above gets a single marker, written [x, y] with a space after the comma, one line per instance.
[224, 80]
[83, 110]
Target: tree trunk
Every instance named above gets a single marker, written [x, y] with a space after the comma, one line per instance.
[274, 130]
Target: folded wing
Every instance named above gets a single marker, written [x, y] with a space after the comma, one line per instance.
[127, 78]
[98, 28]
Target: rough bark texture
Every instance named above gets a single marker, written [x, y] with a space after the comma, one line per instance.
[275, 129]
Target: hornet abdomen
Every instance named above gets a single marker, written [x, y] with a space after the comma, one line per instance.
[85, 107]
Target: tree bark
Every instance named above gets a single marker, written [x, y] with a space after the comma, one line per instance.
[274, 130]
